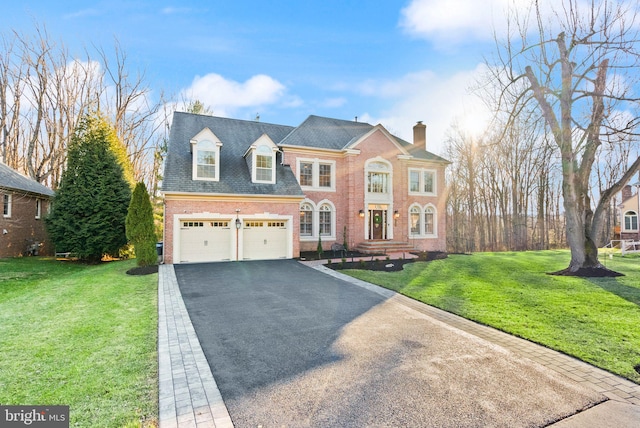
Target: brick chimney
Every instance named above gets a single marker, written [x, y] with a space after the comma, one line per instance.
[626, 192]
[420, 135]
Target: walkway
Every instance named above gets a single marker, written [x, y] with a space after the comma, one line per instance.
[189, 396]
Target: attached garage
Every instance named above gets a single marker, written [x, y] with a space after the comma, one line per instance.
[206, 241]
[265, 239]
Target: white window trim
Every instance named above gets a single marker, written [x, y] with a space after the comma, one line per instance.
[254, 166]
[423, 223]
[421, 172]
[624, 223]
[378, 197]
[7, 202]
[315, 174]
[194, 159]
[38, 208]
[315, 227]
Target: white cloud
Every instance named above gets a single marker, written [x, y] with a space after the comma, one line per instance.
[225, 96]
[425, 96]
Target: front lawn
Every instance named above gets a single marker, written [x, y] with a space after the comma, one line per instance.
[594, 319]
[78, 335]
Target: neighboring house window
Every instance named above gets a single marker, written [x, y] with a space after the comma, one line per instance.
[6, 205]
[206, 158]
[429, 220]
[422, 181]
[377, 177]
[306, 220]
[414, 220]
[630, 220]
[306, 174]
[315, 174]
[38, 208]
[264, 164]
[324, 220]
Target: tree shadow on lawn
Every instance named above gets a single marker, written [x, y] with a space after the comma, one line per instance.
[631, 294]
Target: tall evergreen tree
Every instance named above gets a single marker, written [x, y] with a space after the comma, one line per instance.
[140, 226]
[89, 210]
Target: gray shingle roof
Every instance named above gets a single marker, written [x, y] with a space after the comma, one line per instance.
[236, 137]
[13, 180]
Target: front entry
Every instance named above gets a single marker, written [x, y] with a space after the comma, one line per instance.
[377, 224]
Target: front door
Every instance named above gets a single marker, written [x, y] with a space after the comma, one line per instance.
[377, 224]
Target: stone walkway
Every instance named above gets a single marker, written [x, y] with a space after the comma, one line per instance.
[189, 396]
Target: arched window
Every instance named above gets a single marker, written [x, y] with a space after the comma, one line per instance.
[306, 219]
[378, 177]
[630, 220]
[414, 220]
[206, 160]
[325, 220]
[429, 221]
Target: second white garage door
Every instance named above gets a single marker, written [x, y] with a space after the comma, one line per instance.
[264, 239]
[205, 241]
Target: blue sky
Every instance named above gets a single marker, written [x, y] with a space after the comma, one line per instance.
[389, 62]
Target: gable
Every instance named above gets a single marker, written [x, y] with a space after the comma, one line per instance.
[382, 140]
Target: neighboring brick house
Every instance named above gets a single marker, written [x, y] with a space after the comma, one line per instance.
[24, 205]
[240, 190]
[629, 210]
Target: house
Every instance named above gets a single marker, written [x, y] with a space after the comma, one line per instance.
[24, 204]
[629, 209]
[246, 190]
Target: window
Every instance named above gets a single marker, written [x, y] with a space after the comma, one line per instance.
[378, 177]
[422, 181]
[206, 161]
[306, 174]
[324, 220]
[324, 175]
[414, 220]
[414, 181]
[38, 208]
[306, 220]
[6, 205]
[315, 174]
[630, 220]
[429, 221]
[264, 164]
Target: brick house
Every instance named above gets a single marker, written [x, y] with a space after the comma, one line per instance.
[24, 204]
[629, 210]
[242, 190]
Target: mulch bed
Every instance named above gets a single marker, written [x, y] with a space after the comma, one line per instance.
[601, 272]
[380, 263]
[143, 270]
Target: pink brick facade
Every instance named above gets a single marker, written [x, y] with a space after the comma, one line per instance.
[380, 188]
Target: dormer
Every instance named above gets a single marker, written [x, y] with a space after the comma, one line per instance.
[261, 160]
[205, 155]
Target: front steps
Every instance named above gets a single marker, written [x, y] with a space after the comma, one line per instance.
[383, 246]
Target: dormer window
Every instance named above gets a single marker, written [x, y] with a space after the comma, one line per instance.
[205, 149]
[264, 170]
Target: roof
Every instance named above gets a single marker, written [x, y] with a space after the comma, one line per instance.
[13, 180]
[236, 137]
[337, 134]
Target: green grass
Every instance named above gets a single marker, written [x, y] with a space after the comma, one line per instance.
[594, 319]
[78, 335]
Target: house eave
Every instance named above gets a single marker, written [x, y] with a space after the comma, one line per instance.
[229, 197]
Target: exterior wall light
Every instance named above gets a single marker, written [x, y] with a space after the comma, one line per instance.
[238, 223]
[361, 213]
[396, 214]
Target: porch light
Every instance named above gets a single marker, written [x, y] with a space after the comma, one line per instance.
[361, 213]
[396, 214]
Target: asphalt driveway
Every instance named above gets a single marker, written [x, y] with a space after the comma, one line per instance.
[291, 346]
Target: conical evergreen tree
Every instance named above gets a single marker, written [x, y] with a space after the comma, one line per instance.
[140, 226]
[89, 210]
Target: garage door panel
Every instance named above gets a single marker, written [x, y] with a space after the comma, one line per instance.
[205, 241]
[264, 239]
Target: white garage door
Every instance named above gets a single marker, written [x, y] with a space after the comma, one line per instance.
[205, 241]
[264, 239]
